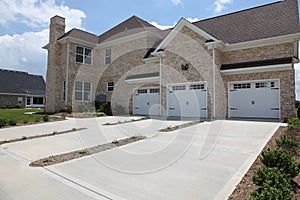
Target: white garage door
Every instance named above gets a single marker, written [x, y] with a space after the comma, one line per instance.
[146, 101]
[258, 99]
[187, 100]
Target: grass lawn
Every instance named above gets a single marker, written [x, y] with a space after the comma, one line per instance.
[19, 116]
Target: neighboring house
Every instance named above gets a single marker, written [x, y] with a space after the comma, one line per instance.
[236, 65]
[21, 89]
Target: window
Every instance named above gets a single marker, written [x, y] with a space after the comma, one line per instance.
[110, 86]
[83, 55]
[179, 87]
[242, 86]
[38, 100]
[142, 91]
[20, 100]
[261, 85]
[197, 87]
[272, 84]
[83, 91]
[107, 56]
[154, 90]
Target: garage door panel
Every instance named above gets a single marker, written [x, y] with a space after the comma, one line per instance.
[261, 100]
[187, 100]
[146, 101]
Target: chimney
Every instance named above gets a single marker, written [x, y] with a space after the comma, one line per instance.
[57, 28]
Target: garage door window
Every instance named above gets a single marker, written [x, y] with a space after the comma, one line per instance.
[154, 90]
[178, 87]
[261, 85]
[197, 87]
[142, 91]
[242, 86]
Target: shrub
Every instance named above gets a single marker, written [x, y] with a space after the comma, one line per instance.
[282, 160]
[287, 143]
[25, 121]
[86, 107]
[293, 123]
[272, 193]
[273, 177]
[12, 122]
[69, 108]
[46, 118]
[107, 109]
[19, 105]
[3, 122]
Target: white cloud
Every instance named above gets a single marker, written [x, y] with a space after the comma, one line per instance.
[192, 19]
[162, 27]
[176, 2]
[297, 69]
[36, 13]
[24, 52]
[219, 5]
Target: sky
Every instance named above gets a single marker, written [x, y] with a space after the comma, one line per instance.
[24, 24]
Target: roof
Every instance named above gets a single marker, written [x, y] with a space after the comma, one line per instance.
[277, 61]
[267, 21]
[16, 82]
[141, 76]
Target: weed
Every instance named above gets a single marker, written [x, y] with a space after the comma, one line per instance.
[37, 119]
[25, 121]
[24, 137]
[46, 118]
[83, 152]
[133, 137]
[48, 159]
[54, 132]
[115, 141]
[74, 129]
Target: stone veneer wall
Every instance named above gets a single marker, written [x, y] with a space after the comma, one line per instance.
[287, 87]
[259, 53]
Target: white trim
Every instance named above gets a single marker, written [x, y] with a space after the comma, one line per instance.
[183, 22]
[252, 81]
[77, 41]
[263, 42]
[141, 80]
[258, 69]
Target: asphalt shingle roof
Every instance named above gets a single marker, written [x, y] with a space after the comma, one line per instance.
[21, 83]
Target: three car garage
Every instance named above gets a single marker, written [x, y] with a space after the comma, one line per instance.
[251, 99]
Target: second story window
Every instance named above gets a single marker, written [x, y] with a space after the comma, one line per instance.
[83, 55]
[107, 57]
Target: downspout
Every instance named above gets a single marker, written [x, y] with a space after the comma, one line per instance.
[67, 75]
[160, 87]
[214, 85]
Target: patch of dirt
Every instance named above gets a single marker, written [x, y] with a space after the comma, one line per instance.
[24, 138]
[51, 160]
[124, 122]
[246, 186]
[174, 128]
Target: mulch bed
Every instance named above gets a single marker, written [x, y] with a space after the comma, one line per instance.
[174, 128]
[24, 138]
[246, 186]
[124, 122]
[51, 160]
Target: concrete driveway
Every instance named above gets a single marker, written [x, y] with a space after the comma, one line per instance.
[204, 161]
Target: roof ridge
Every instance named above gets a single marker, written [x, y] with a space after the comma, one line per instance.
[247, 9]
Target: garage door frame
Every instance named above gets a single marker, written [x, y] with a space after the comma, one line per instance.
[142, 88]
[253, 81]
[169, 85]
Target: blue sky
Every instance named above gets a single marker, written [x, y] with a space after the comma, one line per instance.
[24, 23]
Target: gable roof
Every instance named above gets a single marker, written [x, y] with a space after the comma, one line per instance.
[267, 21]
[128, 27]
[15, 82]
[82, 35]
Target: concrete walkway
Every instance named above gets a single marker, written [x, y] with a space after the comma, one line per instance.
[204, 161]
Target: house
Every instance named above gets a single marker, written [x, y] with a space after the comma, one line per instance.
[235, 65]
[21, 89]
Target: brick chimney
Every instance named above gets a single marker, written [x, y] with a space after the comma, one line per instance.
[57, 28]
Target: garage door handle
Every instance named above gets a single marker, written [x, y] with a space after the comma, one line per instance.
[233, 109]
[274, 88]
[137, 108]
[203, 108]
[171, 108]
[274, 108]
[233, 90]
[203, 90]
